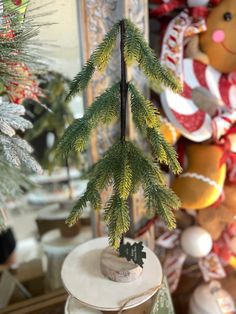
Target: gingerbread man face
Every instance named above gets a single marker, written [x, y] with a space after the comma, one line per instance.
[219, 41]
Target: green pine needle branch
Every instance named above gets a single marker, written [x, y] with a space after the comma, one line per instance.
[99, 59]
[137, 49]
[124, 166]
[104, 109]
[146, 118]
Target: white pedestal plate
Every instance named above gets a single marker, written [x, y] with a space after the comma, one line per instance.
[83, 279]
[74, 307]
[56, 248]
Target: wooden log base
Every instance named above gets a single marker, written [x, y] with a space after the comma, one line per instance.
[118, 268]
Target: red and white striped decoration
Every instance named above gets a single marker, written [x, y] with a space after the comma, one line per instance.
[173, 266]
[184, 114]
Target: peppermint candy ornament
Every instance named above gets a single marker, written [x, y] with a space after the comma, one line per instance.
[184, 112]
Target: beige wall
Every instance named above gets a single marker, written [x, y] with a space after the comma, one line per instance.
[61, 40]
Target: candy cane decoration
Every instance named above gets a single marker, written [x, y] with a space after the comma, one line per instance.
[191, 120]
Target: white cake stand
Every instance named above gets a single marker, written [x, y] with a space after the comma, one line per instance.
[83, 279]
[74, 307]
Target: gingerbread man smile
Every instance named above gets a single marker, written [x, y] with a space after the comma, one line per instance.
[218, 36]
[218, 42]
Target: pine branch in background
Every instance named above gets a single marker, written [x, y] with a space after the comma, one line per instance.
[16, 150]
[99, 59]
[12, 184]
[137, 49]
[18, 153]
[17, 53]
[104, 109]
[17, 45]
[52, 117]
[11, 120]
[124, 166]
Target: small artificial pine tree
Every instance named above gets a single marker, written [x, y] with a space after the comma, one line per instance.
[124, 165]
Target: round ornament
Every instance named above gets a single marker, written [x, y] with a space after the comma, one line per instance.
[211, 298]
[196, 242]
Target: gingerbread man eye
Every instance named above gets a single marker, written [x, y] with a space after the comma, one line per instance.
[228, 16]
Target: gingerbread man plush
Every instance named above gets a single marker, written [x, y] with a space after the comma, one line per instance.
[199, 46]
[219, 41]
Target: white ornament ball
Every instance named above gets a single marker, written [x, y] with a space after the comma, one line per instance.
[197, 3]
[211, 298]
[196, 242]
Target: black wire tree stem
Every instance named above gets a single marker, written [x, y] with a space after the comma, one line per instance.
[123, 90]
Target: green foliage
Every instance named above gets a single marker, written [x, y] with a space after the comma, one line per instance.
[124, 166]
[117, 219]
[102, 54]
[144, 112]
[104, 109]
[163, 151]
[18, 51]
[55, 118]
[17, 42]
[164, 200]
[90, 196]
[146, 118]
[12, 184]
[99, 59]
[82, 79]
[137, 49]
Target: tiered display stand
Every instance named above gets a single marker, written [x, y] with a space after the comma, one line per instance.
[84, 281]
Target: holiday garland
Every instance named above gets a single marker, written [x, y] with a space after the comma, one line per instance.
[124, 166]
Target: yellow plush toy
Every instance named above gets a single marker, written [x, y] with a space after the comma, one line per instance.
[219, 41]
[201, 184]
